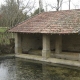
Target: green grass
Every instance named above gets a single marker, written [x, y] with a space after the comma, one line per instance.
[3, 29]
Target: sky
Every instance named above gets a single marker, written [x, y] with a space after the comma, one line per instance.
[1, 1]
[75, 4]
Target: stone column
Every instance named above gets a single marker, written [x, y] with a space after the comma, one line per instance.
[79, 57]
[46, 46]
[18, 49]
[58, 44]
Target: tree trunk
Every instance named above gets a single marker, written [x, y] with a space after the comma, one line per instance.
[69, 4]
[40, 6]
[57, 5]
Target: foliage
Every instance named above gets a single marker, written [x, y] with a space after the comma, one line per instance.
[6, 49]
[4, 37]
[12, 13]
[37, 12]
[6, 43]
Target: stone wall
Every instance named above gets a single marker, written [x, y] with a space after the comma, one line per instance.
[52, 42]
[34, 41]
[71, 42]
[31, 41]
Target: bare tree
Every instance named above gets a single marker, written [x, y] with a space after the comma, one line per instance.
[69, 4]
[40, 6]
[58, 5]
[57, 8]
[46, 7]
[15, 11]
[18, 2]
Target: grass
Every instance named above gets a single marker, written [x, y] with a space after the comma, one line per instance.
[4, 36]
[3, 29]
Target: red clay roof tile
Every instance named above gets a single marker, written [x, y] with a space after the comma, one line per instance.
[56, 22]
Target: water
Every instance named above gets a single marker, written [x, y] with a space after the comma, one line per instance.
[20, 69]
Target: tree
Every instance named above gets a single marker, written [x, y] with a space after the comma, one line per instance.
[13, 12]
[37, 12]
[69, 4]
[40, 6]
[58, 5]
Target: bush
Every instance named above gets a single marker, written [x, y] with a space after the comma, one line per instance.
[7, 48]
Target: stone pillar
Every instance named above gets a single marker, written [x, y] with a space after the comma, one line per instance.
[46, 46]
[79, 57]
[58, 44]
[18, 49]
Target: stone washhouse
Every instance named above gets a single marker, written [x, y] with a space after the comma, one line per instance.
[55, 34]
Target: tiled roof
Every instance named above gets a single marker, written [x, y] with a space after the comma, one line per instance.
[55, 22]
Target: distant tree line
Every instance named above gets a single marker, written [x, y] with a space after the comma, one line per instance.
[14, 12]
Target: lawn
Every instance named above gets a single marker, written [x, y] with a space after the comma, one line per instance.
[3, 29]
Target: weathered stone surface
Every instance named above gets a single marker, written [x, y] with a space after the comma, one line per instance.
[46, 46]
[18, 46]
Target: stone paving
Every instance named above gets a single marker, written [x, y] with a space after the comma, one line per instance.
[64, 55]
[50, 60]
[7, 55]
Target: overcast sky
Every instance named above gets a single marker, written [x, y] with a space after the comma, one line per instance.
[75, 4]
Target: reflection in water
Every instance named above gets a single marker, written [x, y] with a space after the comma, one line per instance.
[29, 71]
[7, 69]
[20, 69]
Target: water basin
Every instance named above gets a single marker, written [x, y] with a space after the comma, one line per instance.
[22, 69]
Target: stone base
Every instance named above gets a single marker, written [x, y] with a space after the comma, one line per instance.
[45, 54]
[79, 56]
